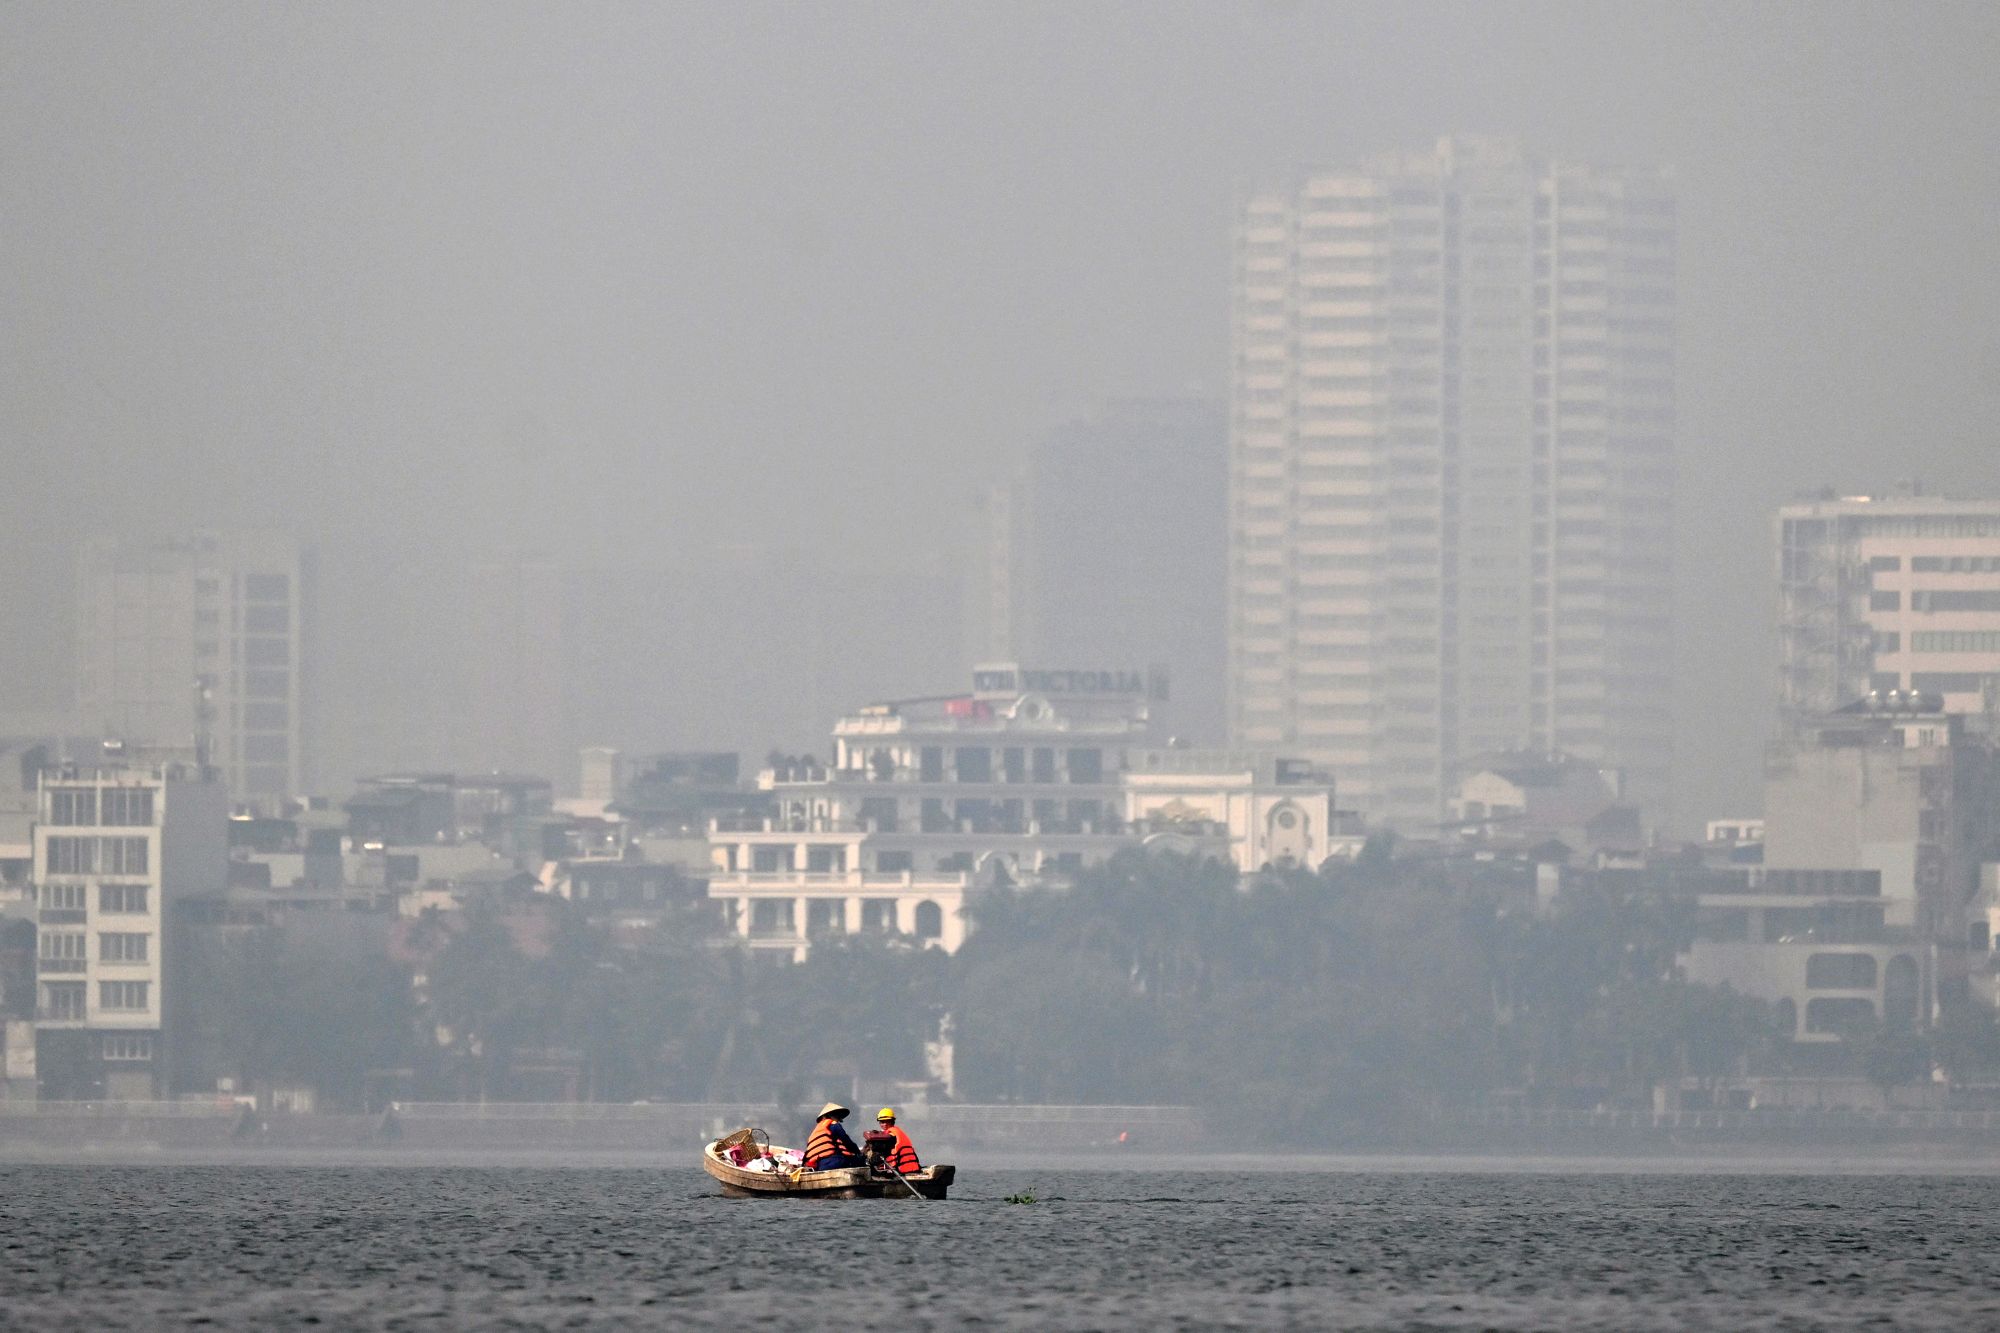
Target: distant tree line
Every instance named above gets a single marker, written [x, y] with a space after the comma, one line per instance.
[1301, 1008]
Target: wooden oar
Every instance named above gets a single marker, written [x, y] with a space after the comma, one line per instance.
[912, 1188]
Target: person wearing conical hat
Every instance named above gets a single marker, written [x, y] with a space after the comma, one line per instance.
[829, 1148]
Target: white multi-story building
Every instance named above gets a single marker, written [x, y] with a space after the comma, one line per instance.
[113, 843]
[200, 640]
[1452, 471]
[1894, 593]
[1028, 778]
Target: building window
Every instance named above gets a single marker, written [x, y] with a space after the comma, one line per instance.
[266, 685]
[930, 764]
[122, 856]
[1043, 764]
[266, 716]
[128, 807]
[975, 763]
[71, 807]
[62, 898]
[893, 863]
[1956, 599]
[62, 1000]
[265, 749]
[878, 916]
[72, 856]
[121, 947]
[124, 997]
[930, 921]
[1086, 765]
[1951, 682]
[771, 916]
[1840, 971]
[826, 916]
[1885, 564]
[1846, 1014]
[62, 947]
[1885, 601]
[118, 897]
[1013, 764]
[267, 619]
[267, 587]
[768, 860]
[121, 1046]
[1955, 641]
[267, 652]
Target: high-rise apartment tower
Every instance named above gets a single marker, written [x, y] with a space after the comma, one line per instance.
[1452, 471]
[200, 641]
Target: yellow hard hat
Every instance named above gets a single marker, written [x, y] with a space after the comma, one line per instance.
[886, 1113]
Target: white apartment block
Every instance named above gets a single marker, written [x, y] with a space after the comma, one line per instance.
[1451, 480]
[200, 641]
[113, 843]
[1881, 594]
[1028, 778]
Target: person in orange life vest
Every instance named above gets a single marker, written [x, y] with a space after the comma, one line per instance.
[902, 1158]
[829, 1148]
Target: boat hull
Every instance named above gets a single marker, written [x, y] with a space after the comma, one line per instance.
[853, 1183]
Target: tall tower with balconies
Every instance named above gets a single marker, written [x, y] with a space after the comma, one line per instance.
[1451, 485]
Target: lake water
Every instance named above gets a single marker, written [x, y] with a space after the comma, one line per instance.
[286, 1245]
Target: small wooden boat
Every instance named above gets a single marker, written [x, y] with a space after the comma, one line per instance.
[858, 1182]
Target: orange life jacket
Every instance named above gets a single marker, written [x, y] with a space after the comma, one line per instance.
[903, 1157]
[828, 1141]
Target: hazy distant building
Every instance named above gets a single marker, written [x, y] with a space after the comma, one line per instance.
[203, 640]
[750, 645]
[513, 657]
[1108, 551]
[1452, 440]
[1899, 593]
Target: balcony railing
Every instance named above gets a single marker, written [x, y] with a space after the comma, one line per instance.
[725, 882]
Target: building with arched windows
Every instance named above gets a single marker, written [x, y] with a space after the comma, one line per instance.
[1028, 778]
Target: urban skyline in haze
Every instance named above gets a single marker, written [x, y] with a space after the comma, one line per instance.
[633, 288]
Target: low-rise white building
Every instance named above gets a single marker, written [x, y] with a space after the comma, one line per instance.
[1030, 777]
[1273, 814]
[114, 843]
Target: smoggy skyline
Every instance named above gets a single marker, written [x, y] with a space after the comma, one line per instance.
[626, 285]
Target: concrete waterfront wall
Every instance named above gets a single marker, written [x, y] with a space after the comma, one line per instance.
[670, 1129]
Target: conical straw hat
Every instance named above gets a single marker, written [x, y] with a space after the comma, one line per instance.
[831, 1108]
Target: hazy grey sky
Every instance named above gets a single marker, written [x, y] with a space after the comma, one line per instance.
[315, 265]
